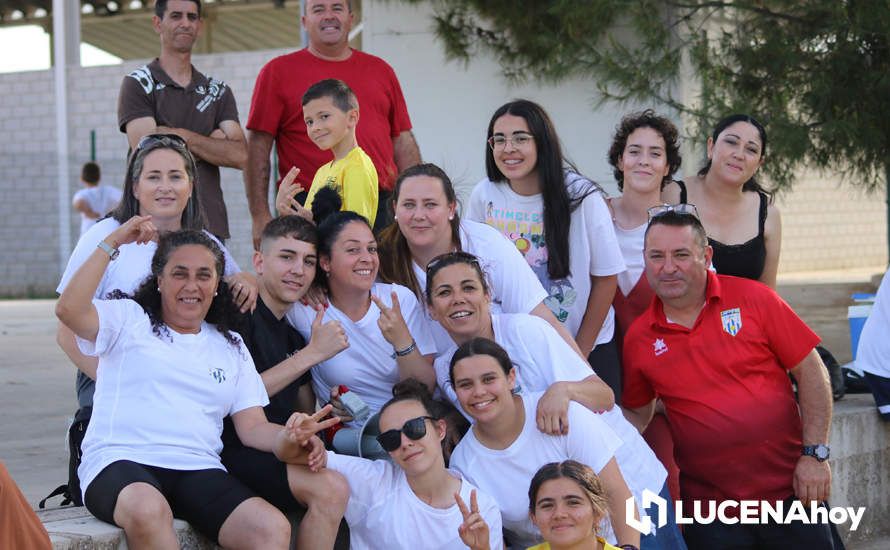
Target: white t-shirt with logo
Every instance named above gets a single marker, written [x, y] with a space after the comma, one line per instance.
[368, 366]
[506, 474]
[514, 287]
[101, 199]
[593, 249]
[161, 401]
[383, 511]
[541, 358]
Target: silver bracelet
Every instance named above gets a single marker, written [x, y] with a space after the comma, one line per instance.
[406, 351]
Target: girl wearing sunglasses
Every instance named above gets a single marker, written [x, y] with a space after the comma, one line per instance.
[559, 221]
[458, 297]
[160, 182]
[414, 501]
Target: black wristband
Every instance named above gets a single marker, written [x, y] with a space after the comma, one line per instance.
[406, 351]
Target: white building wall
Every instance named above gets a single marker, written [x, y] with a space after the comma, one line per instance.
[826, 227]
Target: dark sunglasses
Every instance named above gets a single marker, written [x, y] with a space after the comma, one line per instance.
[464, 257]
[413, 429]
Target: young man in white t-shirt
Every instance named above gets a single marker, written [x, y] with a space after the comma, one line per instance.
[95, 200]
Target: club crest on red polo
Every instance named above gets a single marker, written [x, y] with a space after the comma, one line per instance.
[732, 320]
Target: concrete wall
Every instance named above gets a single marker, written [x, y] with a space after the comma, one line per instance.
[449, 103]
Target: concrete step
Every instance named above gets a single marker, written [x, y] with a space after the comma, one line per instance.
[823, 306]
[74, 528]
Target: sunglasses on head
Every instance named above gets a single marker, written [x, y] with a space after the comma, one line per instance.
[413, 429]
[461, 256]
[683, 209]
[165, 140]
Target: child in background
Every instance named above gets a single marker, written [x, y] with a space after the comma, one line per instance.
[94, 200]
[330, 110]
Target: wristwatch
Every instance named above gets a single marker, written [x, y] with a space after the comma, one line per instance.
[819, 452]
[112, 252]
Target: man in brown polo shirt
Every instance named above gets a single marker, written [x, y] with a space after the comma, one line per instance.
[170, 96]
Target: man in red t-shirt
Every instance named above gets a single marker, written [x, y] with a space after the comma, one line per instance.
[384, 129]
[717, 350]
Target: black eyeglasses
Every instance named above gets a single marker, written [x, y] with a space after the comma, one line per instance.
[413, 429]
[683, 209]
[517, 140]
[459, 256]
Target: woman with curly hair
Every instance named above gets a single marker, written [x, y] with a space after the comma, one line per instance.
[169, 371]
[645, 154]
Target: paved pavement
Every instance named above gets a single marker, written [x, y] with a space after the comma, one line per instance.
[36, 397]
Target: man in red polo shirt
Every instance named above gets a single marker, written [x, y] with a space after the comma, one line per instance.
[276, 113]
[717, 350]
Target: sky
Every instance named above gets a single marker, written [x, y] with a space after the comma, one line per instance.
[32, 48]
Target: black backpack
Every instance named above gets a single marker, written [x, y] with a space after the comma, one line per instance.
[70, 492]
[835, 374]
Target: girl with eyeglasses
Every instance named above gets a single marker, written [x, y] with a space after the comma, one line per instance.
[544, 366]
[170, 368]
[559, 222]
[645, 154]
[386, 330]
[505, 439]
[744, 227]
[160, 182]
[411, 500]
[428, 225]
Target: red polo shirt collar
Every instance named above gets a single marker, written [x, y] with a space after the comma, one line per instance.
[713, 295]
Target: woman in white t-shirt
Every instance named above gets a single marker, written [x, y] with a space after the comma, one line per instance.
[165, 355]
[559, 221]
[411, 500]
[504, 439]
[457, 298]
[387, 333]
[428, 225]
[645, 154]
[160, 182]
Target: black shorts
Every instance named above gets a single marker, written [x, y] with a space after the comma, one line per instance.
[204, 498]
[263, 473]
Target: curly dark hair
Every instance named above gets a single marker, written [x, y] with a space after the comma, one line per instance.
[646, 119]
[223, 312]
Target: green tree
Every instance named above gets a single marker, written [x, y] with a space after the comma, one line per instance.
[816, 72]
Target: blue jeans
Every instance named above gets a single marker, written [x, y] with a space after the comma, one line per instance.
[667, 537]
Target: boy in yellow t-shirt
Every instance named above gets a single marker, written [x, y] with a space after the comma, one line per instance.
[330, 110]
